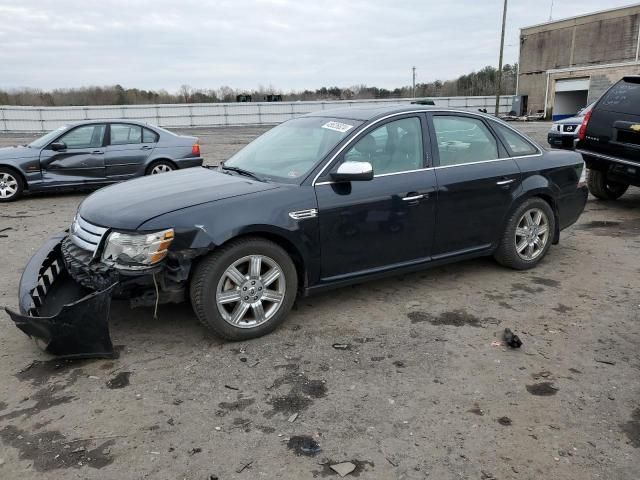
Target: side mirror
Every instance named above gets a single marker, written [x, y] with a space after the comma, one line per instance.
[55, 146]
[353, 172]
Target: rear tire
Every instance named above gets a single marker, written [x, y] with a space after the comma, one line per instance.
[604, 189]
[160, 166]
[11, 185]
[527, 235]
[245, 289]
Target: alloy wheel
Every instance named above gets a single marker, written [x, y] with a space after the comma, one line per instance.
[8, 185]
[161, 168]
[250, 291]
[532, 234]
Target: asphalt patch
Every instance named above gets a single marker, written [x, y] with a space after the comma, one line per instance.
[561, 308]
[303, 391]
[547, 282]
[455, 318]
[632, 428]
[121, 380]
[543, 389]
[521, 287]
[47, 450]
[605, 228]
[303, 445]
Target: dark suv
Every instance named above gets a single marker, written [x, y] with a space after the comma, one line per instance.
[609, 140]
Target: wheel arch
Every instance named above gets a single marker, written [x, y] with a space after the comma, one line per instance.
[17, 171]
[151, 163]
[283, 239]
[544, 194]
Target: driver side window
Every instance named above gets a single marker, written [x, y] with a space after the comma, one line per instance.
[394, 147]
[88, 136]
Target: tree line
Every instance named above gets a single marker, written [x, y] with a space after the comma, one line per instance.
[482, 82]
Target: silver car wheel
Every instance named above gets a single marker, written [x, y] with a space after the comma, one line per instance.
[532, 234]
[8, 185]
[161, 168]
[250, 291]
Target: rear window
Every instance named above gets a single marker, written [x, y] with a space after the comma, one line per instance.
[623, 97]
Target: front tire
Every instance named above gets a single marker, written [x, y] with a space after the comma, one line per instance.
[604, 189]
[245, 289]
[11, 185]
[527, 236]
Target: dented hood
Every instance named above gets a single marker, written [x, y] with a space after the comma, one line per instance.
[128, 205]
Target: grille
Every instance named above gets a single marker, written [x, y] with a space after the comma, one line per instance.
[86, 235]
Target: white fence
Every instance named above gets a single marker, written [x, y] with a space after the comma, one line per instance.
[40, 119]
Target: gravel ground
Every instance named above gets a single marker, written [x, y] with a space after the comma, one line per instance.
[419, 391]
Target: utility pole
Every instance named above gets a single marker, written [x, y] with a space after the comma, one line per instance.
[413, 91]
[499, 79]
[551, 12]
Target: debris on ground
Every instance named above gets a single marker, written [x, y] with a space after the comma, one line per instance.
[606, 362]
[341, 346]
[506, 421]
[303, 445]
[292, 418]
[121, 380]
[512, 339]
[343, 469]
[195, 450]
[244, 464]
[231, 388]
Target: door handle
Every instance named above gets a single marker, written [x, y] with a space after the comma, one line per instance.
[146, 147]
[506, 182]
[97, 152]
[413, 198]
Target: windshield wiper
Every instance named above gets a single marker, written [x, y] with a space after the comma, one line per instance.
[244, 172]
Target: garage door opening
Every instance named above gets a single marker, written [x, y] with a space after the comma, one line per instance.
[571, 95]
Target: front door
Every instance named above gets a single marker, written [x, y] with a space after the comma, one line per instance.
[476, 183]
[129, 147]
[369, 225]
[80, 161]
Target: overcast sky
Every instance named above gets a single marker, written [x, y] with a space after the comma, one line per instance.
[290, 44]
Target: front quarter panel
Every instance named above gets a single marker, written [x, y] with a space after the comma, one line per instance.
[207, 226]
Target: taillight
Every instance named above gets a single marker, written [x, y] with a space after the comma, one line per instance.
[582, 133]
[195, 150]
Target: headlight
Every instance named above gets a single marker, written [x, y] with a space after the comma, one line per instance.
[137, 249]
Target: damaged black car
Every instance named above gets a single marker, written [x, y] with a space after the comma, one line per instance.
[321, 201]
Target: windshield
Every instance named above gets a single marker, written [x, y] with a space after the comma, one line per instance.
[288, 152]
[42, 141]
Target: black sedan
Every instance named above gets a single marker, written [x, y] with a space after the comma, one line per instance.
[92, 154]
[321, 201]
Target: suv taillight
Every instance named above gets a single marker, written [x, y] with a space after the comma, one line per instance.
[195, 150]
[583, 128]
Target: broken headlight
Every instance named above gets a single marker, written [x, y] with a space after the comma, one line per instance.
[137, 250]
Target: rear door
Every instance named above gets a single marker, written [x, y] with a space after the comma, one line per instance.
[82, 161]
[129, 148]
[476, 183]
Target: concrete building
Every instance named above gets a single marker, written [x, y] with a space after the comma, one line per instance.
[567, 64]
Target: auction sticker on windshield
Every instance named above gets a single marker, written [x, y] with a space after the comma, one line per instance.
[337, 126]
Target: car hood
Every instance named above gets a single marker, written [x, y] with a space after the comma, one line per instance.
[9, 153]
[571, 120]
[128, 205]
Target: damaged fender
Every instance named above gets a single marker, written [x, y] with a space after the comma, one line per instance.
[63, 317]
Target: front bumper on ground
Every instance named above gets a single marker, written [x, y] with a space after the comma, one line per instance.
[63, 317]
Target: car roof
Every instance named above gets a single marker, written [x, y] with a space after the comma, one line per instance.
[111, 120]
[372, 112]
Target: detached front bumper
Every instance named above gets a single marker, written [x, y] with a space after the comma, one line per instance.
[63, 317]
